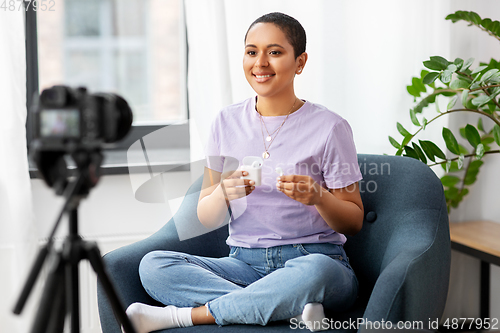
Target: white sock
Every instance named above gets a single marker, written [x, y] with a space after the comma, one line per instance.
[147, 318]
[313, 315]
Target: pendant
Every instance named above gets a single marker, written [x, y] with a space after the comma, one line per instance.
[268, 138]
[265, 155]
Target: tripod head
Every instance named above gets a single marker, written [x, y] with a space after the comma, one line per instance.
[54, 171]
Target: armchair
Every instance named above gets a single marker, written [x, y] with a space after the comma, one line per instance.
[401, 256]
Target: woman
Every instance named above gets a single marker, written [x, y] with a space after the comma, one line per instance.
[286, 235]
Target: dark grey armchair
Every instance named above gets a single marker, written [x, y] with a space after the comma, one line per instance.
[401, 256]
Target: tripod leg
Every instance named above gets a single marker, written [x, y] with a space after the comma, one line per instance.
[58, 315]
[53, 286]
[72, 252]
[94, 256]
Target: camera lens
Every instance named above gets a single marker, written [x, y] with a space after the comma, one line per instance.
[125, 118]
[117, 116]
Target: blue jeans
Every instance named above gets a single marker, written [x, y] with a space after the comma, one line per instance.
[253, 286]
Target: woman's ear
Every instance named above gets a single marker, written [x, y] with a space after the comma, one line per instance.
[301, 62]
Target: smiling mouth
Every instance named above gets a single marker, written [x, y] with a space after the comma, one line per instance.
[263, 76]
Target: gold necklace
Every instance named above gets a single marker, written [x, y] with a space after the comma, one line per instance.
[269, 138]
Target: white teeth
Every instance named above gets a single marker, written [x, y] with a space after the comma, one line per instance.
[262, 76]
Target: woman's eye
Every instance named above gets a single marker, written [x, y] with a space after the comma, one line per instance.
[275, 52]
[251, 53]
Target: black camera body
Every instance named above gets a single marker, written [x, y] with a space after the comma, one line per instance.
[67, 119]
[73, 122]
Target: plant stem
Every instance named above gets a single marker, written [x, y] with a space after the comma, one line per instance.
[467, 170]
[489, 32]
[457, 110]
[487, 87]
[469, 155]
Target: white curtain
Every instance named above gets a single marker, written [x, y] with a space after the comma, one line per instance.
[17, 233]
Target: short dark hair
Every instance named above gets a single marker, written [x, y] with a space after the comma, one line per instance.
[292, 29]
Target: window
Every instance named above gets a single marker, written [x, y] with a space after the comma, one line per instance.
[135, 48]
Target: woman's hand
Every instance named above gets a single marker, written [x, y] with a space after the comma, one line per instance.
[303, 189]
[234, 187]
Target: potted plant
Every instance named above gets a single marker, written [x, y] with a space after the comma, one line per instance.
[476, 90]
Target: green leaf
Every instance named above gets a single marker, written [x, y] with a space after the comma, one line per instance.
[434, 65]
[480, 151]
[486, 23]
[419, 152]
[441, 61]
[477, 70]
[452, 102]
[462, 132]
[462, 149]
[451, 193]
[472, 135]
[411, 153]
[465, 95]
[402, 130]
[424, 121]
[481, 100]
[494, 26]
[453, 17]
[394, 143]
[451, 141]
[496, 134]
[475, 165]
[406, 140]
[432, 147]
[467, 64]
[458, 62]
[412, 91]
[453, 166]
[459, 84]
[469, 180]
[431, 77]
[491, 107]
[449, 181]
[488, 75]
[446, 76]
[423, 73]
[417, 83]
[413, 117]
[476, 19]
[427, 150]
[486, 140]
[452, 68]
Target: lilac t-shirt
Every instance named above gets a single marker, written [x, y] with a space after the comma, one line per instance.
[313, 141]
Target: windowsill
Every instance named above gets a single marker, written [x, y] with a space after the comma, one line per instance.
[116, 162]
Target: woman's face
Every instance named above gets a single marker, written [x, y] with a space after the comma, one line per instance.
[269, 61]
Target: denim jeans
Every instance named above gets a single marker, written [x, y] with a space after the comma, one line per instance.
[253, 286]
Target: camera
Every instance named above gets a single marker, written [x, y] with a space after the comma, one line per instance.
[67, 119]
[73, 122]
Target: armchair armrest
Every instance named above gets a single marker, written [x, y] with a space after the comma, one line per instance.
[412, 273]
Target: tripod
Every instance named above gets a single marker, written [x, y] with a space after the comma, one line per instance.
[61, 291]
